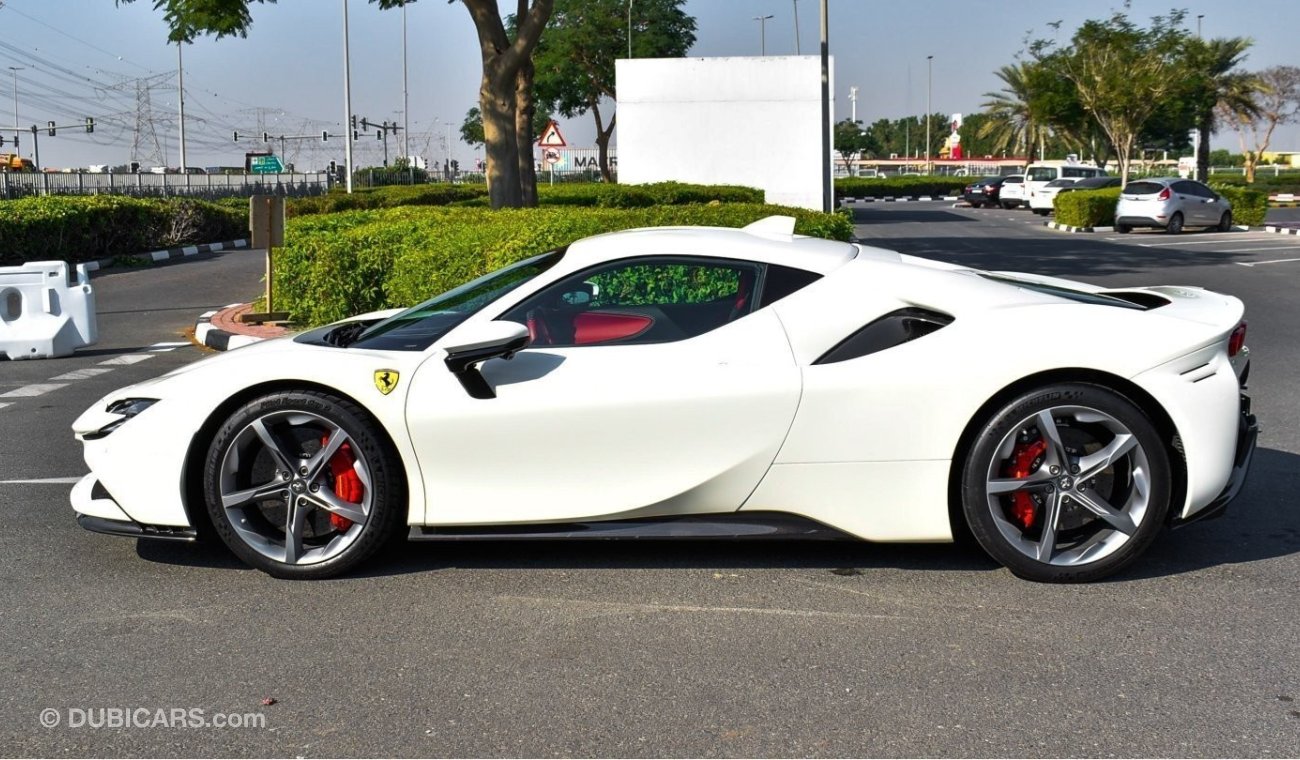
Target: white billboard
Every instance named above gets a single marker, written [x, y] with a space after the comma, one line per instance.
[737, 121]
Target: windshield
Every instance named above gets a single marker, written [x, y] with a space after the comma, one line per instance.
[419, 326]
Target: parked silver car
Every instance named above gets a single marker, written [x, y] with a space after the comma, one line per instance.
[1171, 203]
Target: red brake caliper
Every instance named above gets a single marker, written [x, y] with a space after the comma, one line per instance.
[347, 485]
[1023, 508]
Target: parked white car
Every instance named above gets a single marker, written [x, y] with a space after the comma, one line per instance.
[1172, 204]
[677, 382]
[1013, 191]
[1042, 199]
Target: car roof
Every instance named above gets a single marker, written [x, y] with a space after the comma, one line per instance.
[808, 253]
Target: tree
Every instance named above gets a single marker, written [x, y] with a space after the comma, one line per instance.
[1122, 73]
[1011, 122]
[1277, 102]
[505, 89]
[850, 142]
[574, 61]
[471, 129]
[1212, 78]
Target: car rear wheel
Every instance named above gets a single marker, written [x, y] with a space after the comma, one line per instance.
[1066, 483]
[299, 485]
[1123, 229]
[1008, 205]
[1175, 225]
[1225, 222]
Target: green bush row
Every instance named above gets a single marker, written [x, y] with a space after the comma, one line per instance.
[1096, 208]
[337, 265]
[886, 187]
[85, 228]
[1087, 208]
[1249, 206]
[384, 197]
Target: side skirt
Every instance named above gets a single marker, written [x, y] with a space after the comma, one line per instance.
[760, 525]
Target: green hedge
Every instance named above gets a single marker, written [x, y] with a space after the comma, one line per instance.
[1087, 208]
[886, 187]
[85, 228]
[337, 265]
[1248, 206]
[383, 197]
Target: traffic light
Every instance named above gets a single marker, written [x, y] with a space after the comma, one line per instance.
[266, 137]
[90, 124]
[2, 141]
[49, 125]
[324, 136]
[455, 165]
[236, 137]
[365, 124]
[354, 124]
[380, 135]
[355, 135]
[334, 167]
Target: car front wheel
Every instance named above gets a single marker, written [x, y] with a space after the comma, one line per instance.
[300, 485]
[1175, 225]
[1067, 483]
[1225, 222]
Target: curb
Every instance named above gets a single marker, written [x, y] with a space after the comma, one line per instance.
[1282, 230]
[221, 340]
[902, 199]
[1068, 228]
[169, 253]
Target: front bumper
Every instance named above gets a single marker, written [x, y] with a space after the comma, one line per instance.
[97, 511]
[1247, 437]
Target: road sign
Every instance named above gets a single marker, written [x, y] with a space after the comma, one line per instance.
[552, 156]
[265, 165]
[551, 137]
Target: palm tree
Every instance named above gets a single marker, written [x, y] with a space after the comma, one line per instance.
[1214, 80]
[1011, 122]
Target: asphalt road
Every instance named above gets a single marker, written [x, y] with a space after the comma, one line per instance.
[712, 649]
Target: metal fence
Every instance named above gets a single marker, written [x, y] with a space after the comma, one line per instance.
[17, 185]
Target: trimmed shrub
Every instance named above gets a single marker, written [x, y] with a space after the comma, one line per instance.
[337, 265]
[1087, 208]
[887, 187]
[1248, 206]
[85, 228]
[383, 197]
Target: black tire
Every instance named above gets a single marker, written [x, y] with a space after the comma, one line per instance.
[1008, 205]
[973, 204]
[1225, 222]
[299, 423]
[1175, 225]
[1141, 477]
[1123, 229]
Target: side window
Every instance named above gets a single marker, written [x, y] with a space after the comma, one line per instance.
[1186, 188]
[643, 301]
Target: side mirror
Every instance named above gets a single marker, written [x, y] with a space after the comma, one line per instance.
[490, 340]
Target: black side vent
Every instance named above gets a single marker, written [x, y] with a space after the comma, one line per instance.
[893, 329]
[1141, 298]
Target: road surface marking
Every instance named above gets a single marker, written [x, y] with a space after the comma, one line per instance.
[35, 389]
[38, 481]
[1257, 263]
[126, 359]
[1190, 242]
[83, 374]
[172, 346]
[1253, 250]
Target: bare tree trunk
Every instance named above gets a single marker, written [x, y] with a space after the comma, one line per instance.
[524, 133]
[603, 134]
[1203, 147]
[502, 60]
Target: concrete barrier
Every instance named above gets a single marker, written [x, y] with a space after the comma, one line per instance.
[42, 315]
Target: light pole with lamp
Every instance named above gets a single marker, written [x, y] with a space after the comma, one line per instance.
[15, 70]
[347, 102]
[762, 32]
[929, 67]
[796, 27]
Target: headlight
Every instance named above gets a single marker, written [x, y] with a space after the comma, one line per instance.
[128, 408]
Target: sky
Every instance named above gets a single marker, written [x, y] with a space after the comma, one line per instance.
[97, 58]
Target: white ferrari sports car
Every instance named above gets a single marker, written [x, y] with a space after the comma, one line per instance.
[680, 382]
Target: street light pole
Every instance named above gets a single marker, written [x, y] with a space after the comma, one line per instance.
[853, 104]
[828, 191]
[15, 70]
[629, 28]
[929, 67]
[1199, 16]
[406, 108]
[180, 72]
[347, 101]
[762, 32]
[796, 27]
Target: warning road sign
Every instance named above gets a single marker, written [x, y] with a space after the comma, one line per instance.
[551, 137]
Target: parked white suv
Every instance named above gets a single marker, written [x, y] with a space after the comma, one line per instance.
[1013, 191]
[1171, 203]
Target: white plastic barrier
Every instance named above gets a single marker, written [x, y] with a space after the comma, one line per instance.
[41, 315]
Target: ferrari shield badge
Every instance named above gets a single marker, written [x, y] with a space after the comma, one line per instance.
[386, 380]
